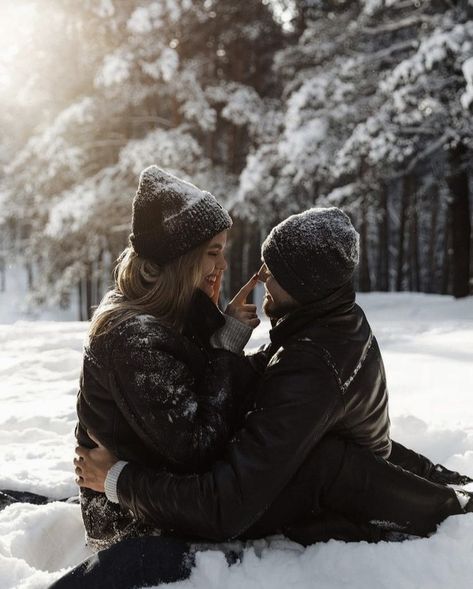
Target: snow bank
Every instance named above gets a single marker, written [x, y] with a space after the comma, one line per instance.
[441, 562]
[426, 341]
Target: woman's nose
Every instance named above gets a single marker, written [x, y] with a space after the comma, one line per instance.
[222, 263]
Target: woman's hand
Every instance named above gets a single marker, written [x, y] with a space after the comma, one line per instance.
[92, 466]
[238, 307]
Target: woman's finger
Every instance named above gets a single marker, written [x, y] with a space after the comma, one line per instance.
[250, 308]
[81, 451]
[245, 290]
[248, 315]
[78, 471]
[250, 321]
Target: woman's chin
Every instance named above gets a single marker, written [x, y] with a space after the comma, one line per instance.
[209, 290]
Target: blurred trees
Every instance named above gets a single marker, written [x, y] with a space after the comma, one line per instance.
[365, 105]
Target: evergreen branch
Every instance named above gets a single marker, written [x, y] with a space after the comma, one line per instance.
[392, 27]
[436, 145]
[389, 51]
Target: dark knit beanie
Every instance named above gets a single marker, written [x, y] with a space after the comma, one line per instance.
[313, 253]
[172, 216]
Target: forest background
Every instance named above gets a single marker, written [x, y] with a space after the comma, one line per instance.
[273, 106]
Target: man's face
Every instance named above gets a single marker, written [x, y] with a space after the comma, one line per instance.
[277, 302]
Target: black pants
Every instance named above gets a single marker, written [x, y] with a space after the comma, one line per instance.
[337, 477]
[347, 481]
[137, 562]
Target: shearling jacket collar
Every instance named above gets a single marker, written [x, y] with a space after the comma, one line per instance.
[335, 308]
[203, 319]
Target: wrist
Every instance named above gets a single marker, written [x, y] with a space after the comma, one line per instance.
[111, 480]
[233, 336]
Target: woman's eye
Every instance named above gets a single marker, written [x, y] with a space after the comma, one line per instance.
[213, 254]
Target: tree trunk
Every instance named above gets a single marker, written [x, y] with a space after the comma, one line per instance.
[80, 300]
[383, 244]
[234, 147]
[433, 236]
[234, 271]
[407, 186]
[364, 269]
[29, 275]
[176, 113]
[89, 292]
[414, 263]
[2, 275]
[446, 254]
[461, 224]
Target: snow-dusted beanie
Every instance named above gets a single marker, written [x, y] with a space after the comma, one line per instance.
[313, 253]
[172, 216]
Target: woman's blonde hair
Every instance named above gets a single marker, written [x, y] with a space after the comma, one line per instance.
[144, 287]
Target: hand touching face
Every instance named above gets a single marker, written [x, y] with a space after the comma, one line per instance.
[240, 309]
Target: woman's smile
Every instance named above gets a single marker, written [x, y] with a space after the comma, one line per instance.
[208, 283]
[211, 280]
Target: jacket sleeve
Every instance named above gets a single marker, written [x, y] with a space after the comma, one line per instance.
[184, 421]
[298, 402]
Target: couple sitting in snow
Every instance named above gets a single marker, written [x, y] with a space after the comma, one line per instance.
[183, 439]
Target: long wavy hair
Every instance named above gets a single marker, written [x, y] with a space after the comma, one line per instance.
[144, 287]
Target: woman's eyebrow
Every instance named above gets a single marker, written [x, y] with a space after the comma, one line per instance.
[214, 246]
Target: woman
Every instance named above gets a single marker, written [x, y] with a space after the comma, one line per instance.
[152, 387]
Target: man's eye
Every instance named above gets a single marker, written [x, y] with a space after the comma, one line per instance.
[213, 254]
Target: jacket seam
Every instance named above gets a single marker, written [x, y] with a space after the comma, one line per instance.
[358, 367]
[327, 358]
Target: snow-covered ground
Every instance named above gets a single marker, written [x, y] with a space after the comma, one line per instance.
[427, 343]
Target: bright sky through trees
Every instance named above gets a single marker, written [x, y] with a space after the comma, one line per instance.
[364, 105]
[17, 21]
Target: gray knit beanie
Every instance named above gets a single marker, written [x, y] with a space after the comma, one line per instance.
[313, 253]
[172, 216]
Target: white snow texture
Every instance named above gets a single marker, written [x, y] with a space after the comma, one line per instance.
[427, 343]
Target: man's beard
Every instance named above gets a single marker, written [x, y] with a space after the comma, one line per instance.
[276, 310]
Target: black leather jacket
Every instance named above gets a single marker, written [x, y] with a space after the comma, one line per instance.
[325, 374]
[159, 398]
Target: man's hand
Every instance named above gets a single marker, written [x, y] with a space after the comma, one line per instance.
[445, 476]
[238, 307]
[92, 465]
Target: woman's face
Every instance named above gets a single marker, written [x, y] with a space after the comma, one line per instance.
[213, 264]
